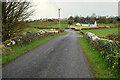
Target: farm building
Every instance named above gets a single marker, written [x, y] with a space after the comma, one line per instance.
[87, 23]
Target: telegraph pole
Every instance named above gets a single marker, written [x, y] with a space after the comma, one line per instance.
[59, 17]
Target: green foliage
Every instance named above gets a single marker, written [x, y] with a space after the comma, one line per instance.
[71, 18]
[99, 19]
[107, 47]
[77, 19]
[70, 22]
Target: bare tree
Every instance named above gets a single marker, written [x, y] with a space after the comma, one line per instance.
[13, 16]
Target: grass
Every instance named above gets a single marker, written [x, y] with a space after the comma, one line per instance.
[103, 32]
[107, 25]
[41, 24]
[54, 24]
[78, 27]
[19, 50]
[31, 30]
[97, 64]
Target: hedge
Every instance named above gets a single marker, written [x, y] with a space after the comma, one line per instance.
[109, 50]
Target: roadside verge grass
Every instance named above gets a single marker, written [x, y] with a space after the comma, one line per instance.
[97, 64]
[19, 50]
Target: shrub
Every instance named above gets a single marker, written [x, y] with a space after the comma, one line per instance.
[109, 50]
[113, 37]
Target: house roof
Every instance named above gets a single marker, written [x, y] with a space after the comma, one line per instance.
[88, 22]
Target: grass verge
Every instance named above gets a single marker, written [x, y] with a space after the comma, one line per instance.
[97, 64]
[19, 50]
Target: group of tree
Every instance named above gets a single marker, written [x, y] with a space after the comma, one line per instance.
[99, 19]
[14, 14]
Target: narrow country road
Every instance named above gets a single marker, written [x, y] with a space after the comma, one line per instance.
[61, 57]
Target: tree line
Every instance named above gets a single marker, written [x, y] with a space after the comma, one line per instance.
[99, 19]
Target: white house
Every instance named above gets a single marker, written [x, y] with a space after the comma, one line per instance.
[87, 23]
[78, 24]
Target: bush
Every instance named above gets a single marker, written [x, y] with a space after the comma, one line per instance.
[113, 37]
[109, 50]
[70, 22]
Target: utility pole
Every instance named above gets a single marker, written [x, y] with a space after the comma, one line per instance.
[59, 17]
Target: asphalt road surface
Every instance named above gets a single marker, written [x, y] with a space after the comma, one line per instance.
[61, 57]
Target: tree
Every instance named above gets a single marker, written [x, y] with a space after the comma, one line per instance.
[70, 18]
[76, 19]
[70, 22]
[13, 16]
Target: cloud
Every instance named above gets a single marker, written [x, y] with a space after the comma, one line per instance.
[50, 9]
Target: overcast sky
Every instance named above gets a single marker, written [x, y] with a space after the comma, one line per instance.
[49, 8]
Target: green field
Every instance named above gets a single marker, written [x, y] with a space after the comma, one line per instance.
[31, 29]
[56, 25]
[103, 32]
[78, 27]
[19, 50]
[63, 24]
[41, 24]
[98, 65]
[107, 25]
